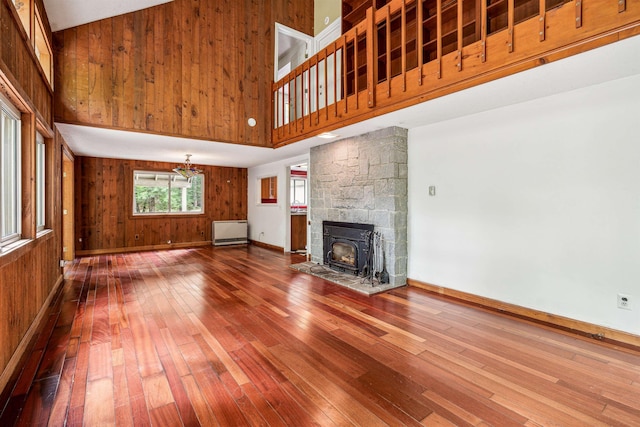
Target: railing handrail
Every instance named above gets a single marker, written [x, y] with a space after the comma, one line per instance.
[361, 85]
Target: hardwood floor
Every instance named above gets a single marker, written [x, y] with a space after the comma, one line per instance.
[231, 336]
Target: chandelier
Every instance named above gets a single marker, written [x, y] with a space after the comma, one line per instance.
[187, 170]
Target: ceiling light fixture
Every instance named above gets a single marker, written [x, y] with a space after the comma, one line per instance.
[187, 170]
[327, 135]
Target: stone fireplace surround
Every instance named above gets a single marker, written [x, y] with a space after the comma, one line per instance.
[363, 180]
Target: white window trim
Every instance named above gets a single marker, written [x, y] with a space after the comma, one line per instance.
[14, 113]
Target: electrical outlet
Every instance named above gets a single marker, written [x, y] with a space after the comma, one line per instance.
[624, 301]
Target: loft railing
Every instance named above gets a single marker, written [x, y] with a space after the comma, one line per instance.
[410, 51]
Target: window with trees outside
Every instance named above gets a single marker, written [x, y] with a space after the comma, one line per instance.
[167, 193]
[10, 182]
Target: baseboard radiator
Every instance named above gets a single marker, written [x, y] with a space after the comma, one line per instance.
[229, 232]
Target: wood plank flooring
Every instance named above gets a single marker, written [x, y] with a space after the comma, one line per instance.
[232, 336]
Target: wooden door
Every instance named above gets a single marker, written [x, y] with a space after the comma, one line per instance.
[68, 235]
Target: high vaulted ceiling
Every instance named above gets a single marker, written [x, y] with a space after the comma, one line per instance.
[71, 13]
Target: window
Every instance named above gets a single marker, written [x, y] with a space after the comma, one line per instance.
[269, 190]
[10, 197]
[22, 7]
[298, 192]
[167, 193]
[40, 182]
[43, 48]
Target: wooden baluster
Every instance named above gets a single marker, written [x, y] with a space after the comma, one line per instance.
[420, 38]
[295, 101]
[404, 45]
[388, 44]
[281, 107]
[372, 64]
[543, 18]
[439, 38]
[622, 6]
[510, 12]
[288, 102]
[275, 108]
[578, 13]
[355, 65]
[460, 36]
[483, 30]
[335, 78]
[326, 83]
[308, 94]
[344, 73]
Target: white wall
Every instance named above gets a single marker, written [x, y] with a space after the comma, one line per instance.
[536, 204]
[272, 220]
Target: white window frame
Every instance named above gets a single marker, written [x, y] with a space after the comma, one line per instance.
[41, 182]
[14, 195]
[172, 178]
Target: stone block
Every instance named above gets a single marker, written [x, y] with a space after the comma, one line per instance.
[368, 198]
[389, 170]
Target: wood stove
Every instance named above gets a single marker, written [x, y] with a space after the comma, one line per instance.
[347, 246]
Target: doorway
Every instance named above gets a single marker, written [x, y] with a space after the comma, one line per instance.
[292, 48]
[298, 207]
[68, 234]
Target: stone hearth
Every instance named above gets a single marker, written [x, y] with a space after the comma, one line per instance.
[358, 284]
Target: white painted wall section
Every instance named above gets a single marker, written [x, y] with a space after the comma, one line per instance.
[537, 204]
[270, 223]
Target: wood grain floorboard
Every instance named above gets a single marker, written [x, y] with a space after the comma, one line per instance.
[232, 337]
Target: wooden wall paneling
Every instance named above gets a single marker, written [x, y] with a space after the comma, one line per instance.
[139, 76]
[186, 32]
[68, 89]
[240, 122]
[157, 113]
[104, 218]
[30, 273]
[117, 66]
[176, 70]
[215, 78]
[203, 81]
[197, 103]
[200, 91]
[126, 82]
[81, 74]
[98, 64]
[227, 55]
[150, 100]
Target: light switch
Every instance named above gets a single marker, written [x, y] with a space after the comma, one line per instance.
[432, 190]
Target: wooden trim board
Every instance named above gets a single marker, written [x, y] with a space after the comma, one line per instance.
[591, 330]
[266, 246]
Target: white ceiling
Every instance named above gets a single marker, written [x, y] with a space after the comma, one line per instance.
[64, 14]
[614, 61]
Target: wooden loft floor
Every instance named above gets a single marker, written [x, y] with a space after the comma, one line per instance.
[233, 336]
